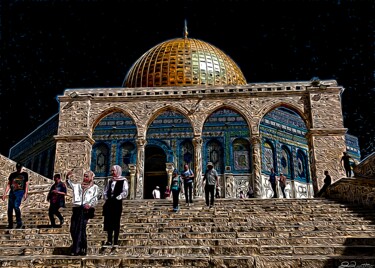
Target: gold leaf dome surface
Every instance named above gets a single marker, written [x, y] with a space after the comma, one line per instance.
[184, 62]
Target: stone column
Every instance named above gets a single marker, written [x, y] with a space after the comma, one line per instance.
[326, 147]
[198, 187]
[257, 164]
[73, 153]
[141, 144]
[326, 135]
[230, 187]
[169, 168]
[74, 136]
[132, 190]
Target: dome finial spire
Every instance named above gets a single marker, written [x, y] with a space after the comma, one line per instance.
[185, 30]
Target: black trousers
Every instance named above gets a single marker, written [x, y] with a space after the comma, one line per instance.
[273, 185]
[348, 171]
[54, 210]
[209, 192]
[175, 196]
[188, 187]
[112, 210]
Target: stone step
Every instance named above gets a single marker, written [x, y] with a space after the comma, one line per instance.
[301, 261]
[236, 233]
[198, 251]
[97, 241]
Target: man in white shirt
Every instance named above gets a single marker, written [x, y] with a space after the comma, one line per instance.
[156, 193]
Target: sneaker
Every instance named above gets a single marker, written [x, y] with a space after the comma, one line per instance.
[107, 244]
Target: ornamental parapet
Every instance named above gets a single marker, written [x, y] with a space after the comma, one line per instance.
[197, 90]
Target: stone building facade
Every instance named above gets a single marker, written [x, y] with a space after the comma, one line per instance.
[185, 101]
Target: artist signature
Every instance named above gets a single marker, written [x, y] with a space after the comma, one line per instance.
[353, 264]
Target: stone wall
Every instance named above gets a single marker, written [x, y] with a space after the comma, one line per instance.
[38, 186]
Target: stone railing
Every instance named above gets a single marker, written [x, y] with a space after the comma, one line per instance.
[366, 168]
[354, 190]
[38, 186]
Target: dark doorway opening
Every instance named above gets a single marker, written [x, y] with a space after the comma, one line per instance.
[155, 173]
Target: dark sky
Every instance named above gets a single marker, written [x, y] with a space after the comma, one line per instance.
[48, 46]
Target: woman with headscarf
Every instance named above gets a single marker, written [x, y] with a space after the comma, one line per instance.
[114, 192]
[85, 197]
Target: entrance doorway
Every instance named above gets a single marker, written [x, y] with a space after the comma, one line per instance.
[155, 173]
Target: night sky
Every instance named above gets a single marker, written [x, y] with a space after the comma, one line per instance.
[49, 46]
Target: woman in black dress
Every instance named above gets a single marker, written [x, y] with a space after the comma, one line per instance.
[115, 191]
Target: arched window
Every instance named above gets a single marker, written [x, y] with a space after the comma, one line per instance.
[241, 155]
[127, 153]
[301, 172]
[285, 162]
[186, 153]
[268, 157]
[215, 155]
[101, 160]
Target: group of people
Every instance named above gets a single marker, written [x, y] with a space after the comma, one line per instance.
[86, 195]
[186, 180]
[85, 198]
[282, 183]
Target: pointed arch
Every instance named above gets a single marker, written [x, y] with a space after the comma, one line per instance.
[220, 129]
[109, 111]
[289, 106]
[245, 117]
[167, 109]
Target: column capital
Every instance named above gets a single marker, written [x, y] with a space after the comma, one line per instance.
[141, 141]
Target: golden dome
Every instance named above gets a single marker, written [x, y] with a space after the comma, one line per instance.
[184, 62]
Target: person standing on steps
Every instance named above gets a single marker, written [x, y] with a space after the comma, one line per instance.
[167, 192]
[211, 179]
[327, 182]
[272, 180]
[176, 188]
[282, 183]
[85, 198]
[56, 199]
[18, 184]
[188, 177]
[156, 193]
[114, 192]
[250, 192]
[345, 163]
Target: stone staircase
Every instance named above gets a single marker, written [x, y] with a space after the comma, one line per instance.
[235, 233]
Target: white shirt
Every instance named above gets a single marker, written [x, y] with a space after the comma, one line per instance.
[125, 189]
[156, 194]
[90, 196]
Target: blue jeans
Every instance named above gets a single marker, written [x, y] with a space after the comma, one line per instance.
[15, 199]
